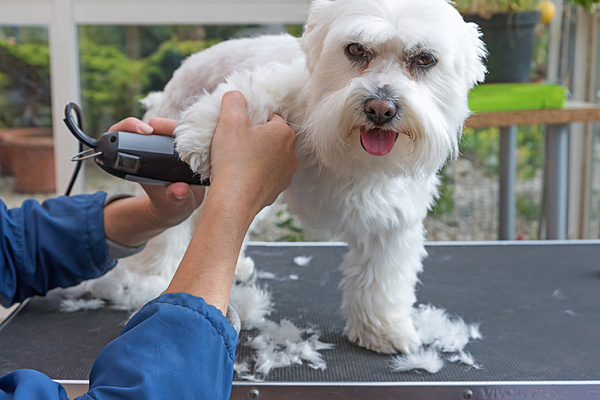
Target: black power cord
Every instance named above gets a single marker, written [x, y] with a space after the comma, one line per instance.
[77, 126]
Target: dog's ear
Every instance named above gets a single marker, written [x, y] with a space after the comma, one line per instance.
[315, 30]
[476, 53]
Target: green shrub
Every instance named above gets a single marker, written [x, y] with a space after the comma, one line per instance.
[109, 88]
[527, 207]
[530, 153]
[25, 85]
[445, 201]
[481, 147]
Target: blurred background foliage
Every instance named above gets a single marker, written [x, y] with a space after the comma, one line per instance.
[119, 66]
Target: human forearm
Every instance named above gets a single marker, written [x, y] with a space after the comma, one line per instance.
[207, 267]
[57, 243]
[130, 221]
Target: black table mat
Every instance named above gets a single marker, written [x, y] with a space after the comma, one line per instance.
[538, 305]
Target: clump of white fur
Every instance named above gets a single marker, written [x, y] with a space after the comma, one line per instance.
[71, 305]
[302, 261]
[252, 303]
[439, 333]
[427, 359]
[464, 358]
[283, 344]
[276, 344]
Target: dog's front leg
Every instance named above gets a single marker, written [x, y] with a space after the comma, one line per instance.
[380, 274]
[193, 135]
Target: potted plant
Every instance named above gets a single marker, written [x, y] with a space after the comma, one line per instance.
[508, 28]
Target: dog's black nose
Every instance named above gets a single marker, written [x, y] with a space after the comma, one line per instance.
[380, 111]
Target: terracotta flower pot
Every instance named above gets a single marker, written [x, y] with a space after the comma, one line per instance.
[5, 167]
[32, 159]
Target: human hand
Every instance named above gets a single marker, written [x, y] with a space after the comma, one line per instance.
[135, 220]
[254, 162]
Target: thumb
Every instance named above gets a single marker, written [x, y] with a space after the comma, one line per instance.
[178, 191]
[166, 196]
[234, 109]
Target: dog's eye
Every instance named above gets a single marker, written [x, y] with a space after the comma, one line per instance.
[425, 60]
[356, 51]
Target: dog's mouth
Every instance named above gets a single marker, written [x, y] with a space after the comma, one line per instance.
[377, 141]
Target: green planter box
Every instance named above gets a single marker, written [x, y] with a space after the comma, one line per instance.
[516, 96]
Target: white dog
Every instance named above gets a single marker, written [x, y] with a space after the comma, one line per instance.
[377, 93]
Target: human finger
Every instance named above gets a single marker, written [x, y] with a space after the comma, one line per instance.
[163, 126]
[132, 124]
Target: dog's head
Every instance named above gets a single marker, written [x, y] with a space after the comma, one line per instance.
[389, 83]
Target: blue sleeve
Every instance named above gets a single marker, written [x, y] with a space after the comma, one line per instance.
[175, 347]
[26, 384]
[58, 243]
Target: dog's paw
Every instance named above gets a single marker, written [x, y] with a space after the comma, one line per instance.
[389, 338]
[244, 269]
[193, 145]
[194, 134]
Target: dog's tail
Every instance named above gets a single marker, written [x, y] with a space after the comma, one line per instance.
[151, 103]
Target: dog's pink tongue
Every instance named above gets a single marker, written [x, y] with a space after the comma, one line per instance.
[377, 142]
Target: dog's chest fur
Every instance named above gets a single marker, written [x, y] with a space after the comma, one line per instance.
[372, 204]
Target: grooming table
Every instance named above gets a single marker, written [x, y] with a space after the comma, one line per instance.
[538, 304]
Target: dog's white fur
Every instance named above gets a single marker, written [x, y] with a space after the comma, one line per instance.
[377, 202]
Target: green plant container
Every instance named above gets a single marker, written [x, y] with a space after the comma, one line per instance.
[516, 96]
